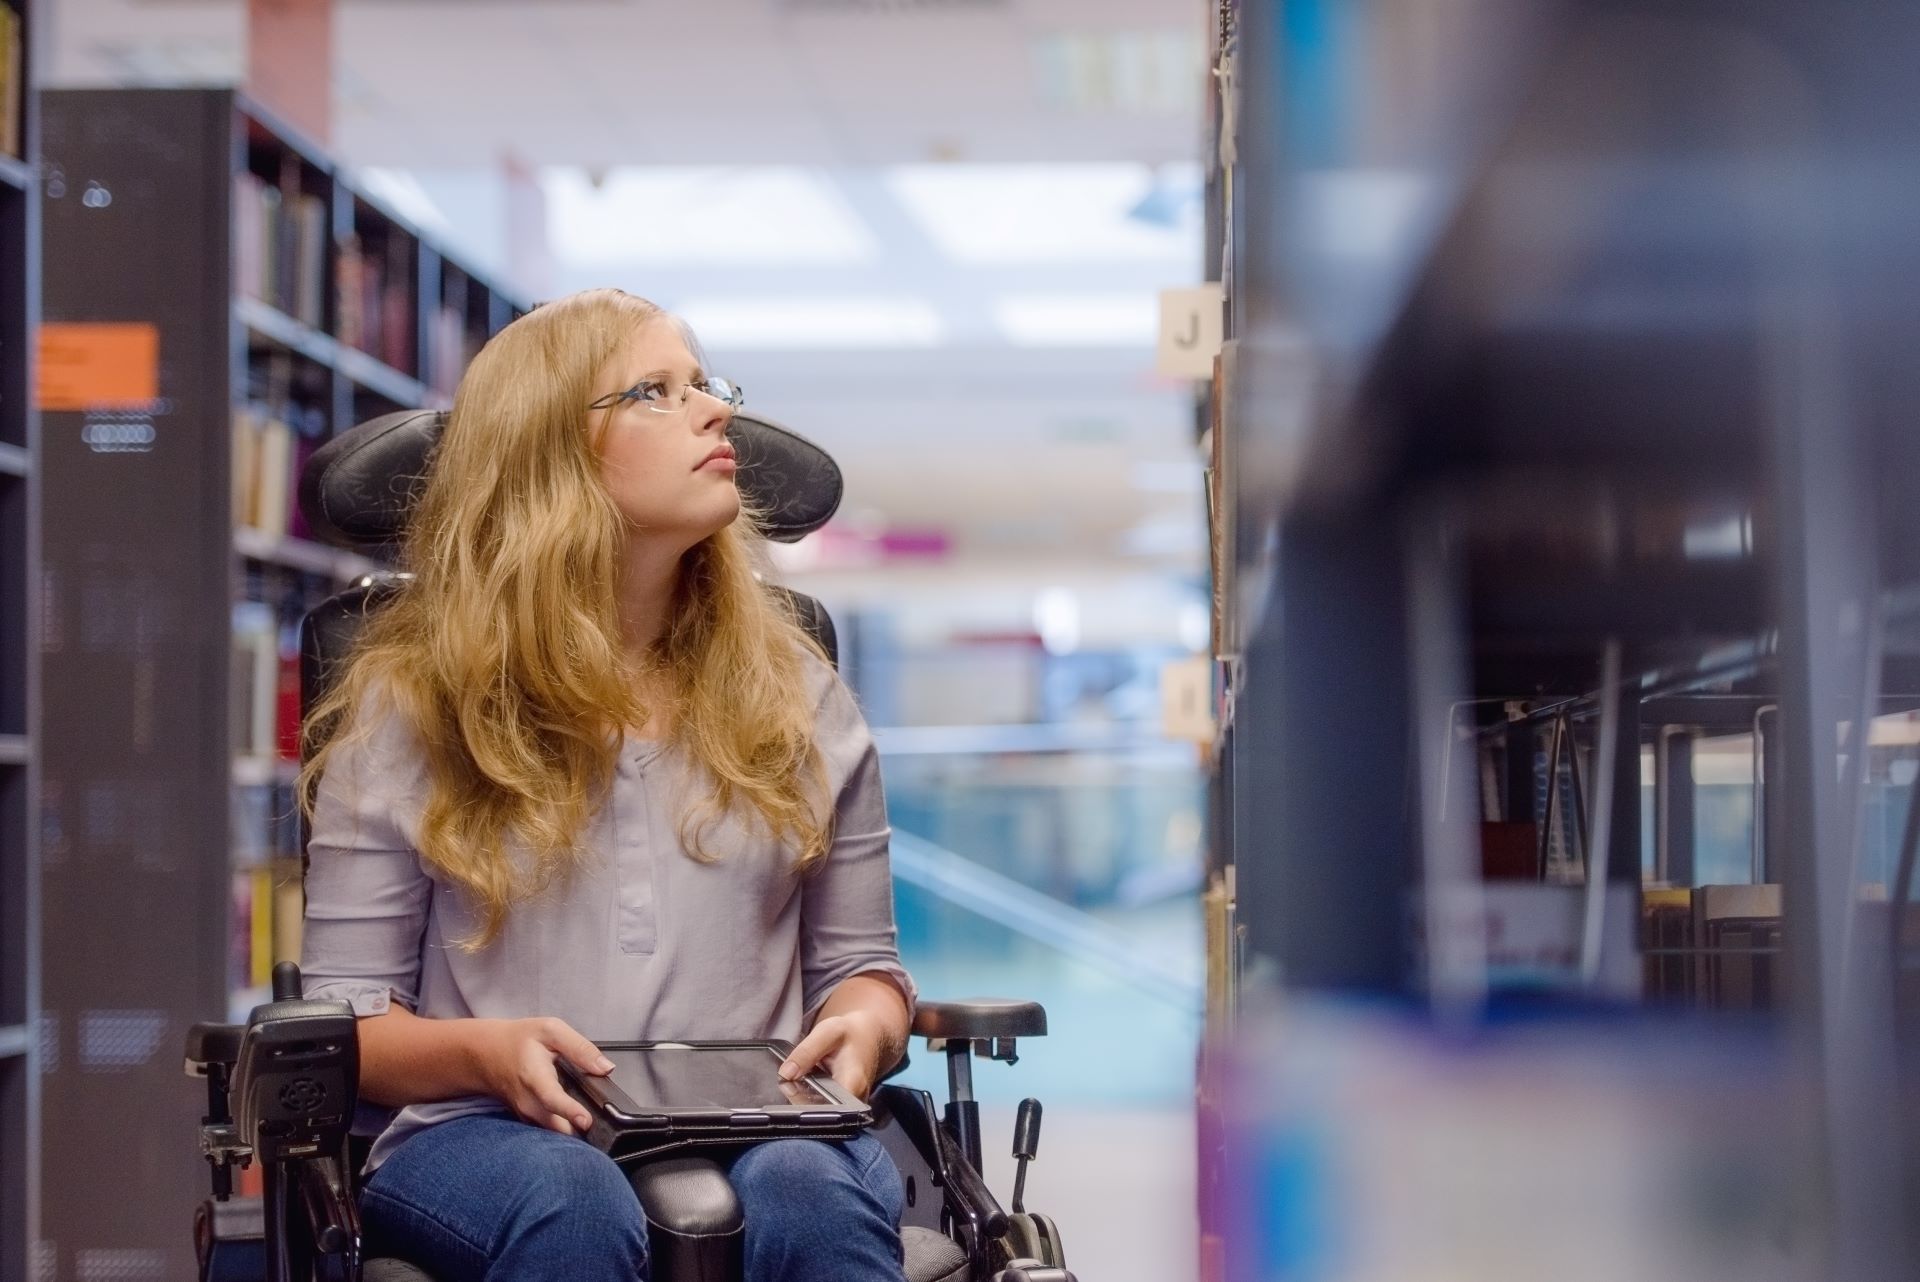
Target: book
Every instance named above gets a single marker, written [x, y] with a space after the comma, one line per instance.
[246, 465]
[274, 465]
[280, 248]
[12, 84]
[255, 680]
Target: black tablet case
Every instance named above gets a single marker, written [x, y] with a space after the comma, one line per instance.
[627, 1142]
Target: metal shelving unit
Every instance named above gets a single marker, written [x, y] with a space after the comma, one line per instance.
[173, 822]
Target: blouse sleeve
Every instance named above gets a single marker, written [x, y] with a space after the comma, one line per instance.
[847, 924]
[367, 895]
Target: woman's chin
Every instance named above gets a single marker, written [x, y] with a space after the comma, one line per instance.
[726, 512]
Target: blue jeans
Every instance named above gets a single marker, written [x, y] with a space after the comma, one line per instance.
[493, 1198]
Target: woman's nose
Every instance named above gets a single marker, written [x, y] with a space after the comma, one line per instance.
[710, 413]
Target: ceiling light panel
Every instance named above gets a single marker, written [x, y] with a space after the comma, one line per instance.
[812, 324]
[1078, 320]
[990, 214]
[729, 217]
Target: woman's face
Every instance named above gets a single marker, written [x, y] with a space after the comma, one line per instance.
[670, 474]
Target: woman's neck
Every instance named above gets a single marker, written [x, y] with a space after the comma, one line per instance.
[649, 580]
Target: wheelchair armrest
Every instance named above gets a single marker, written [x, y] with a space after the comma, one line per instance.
[979, 1018]
[213, 1044]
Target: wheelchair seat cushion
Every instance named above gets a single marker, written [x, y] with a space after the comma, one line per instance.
[933, 1257]
[390, 1270]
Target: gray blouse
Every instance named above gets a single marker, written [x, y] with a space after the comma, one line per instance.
[641, 942]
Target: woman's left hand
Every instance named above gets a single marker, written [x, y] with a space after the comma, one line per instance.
[848, 1046]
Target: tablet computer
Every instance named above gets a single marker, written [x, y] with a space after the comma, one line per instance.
[663, 1093]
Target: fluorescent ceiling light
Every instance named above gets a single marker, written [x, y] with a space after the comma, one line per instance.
[1047, 213]
[810, 324]
[754, 216]
[1078, 320]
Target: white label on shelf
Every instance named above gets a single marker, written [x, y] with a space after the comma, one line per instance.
[1186, 699]
[1191, 324]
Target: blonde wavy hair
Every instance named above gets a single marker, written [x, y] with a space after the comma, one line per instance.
[504, 653]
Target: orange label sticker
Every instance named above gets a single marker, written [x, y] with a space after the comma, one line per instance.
[99, 366]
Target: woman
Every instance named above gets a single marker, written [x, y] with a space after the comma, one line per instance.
[586, 776]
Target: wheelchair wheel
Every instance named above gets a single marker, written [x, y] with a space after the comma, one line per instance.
[1034, 1237]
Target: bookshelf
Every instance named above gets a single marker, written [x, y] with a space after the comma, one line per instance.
[21, 1063]
[288, 304]
[1511, 528]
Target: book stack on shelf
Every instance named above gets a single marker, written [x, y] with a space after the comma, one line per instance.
[378, 267]
[181, 573]
[280, 247]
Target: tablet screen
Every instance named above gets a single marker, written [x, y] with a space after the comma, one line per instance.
[730, 1077]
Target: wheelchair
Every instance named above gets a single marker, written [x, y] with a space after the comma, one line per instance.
[281, 1089]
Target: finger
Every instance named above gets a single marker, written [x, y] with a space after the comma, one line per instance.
[560, 1124]
[814, 1047]
[851, 1077]
[560, 1037]
[557, 1101]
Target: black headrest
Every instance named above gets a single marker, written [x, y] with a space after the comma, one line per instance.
[358, 489]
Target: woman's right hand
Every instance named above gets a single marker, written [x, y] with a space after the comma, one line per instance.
[516, 1061]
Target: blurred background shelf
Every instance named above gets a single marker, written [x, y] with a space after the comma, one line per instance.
[1566, 503]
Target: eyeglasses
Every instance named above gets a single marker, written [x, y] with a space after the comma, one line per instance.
[664, 399]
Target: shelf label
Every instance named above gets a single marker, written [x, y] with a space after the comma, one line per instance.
[98, 366]
[1186, 699]
[1192, 324]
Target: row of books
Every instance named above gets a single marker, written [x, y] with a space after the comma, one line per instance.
[376, 299]
[12, 82]
[280, 248]
[264, 683]
[265, 925]
[271, 443]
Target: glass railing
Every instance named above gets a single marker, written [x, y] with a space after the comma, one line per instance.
[1060, 866]
[1099, 818]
